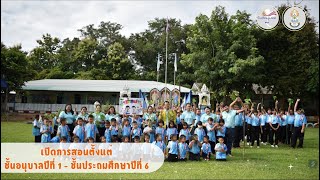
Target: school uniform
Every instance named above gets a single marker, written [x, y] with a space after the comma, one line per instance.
[63, 131]
[183, 149]
[212, 137]
[36, 131]
[198, 117]
[255, 126]
[186, 133]
[110, 116]
[136, 132]
[263, 124]
[178, 123]
[194, 152]
[126, 131]
[201, 133]
[173, 151]
[161, 131]
[171, 131]
[84, 117]
[91, 130]
[229, 118]
[238, 130]
[55, 139]
[268, 128]
[222, 156]
[151, 134]
[108, 136]
[275, 121]
[290, 121]
[299, 121]
[162, 146]
[221, 133]
[70, 119]
[80, 132]
[283, 129]
[46, 136]
[206, 150]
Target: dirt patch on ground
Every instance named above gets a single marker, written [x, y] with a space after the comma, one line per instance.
[17, 117]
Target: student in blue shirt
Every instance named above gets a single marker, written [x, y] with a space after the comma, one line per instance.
[200, 132]
[114, 128]
[194, 146]
[255, 126]
[36, 129]
[185, 132]
[160, 143]
[238, 128]
[248, 120]
[161, 130]
[263, 122]
[221, 130]
[136, 131]
[300, 122]
[290, 121]
[283, 127]
[126, 128]
[46, 130]
[107, 132]
[70, 117]
[221, 150]
[171, 130]
[79, 130]
[274, 125]
[173, 149]
[183, 148]
[63, 130]
[211, 133]
[91, 129]
[206, 149]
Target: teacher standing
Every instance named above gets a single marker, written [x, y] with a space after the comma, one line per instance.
[167, 114]
[70, 117]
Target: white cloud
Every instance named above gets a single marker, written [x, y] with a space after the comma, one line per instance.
[26, 21]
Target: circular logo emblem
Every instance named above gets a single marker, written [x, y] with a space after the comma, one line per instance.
[267, 18]
[294, 18]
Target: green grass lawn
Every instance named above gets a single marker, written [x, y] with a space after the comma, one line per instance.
[263, 163]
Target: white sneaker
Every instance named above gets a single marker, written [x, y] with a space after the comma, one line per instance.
[272, 145]
[258, 147]
[251, 146]
[276, 146]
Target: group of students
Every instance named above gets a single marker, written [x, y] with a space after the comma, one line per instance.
[176, 133]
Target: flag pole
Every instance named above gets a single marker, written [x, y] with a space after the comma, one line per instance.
[158, 64]
[174, 72]
[166, 57]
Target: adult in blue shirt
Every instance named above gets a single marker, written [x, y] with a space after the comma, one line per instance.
[111, 113]
[300, 122]
[188, 116]
[206, 115]
[70, 117]
[229, 114]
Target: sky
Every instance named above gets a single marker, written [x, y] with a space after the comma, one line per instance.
[26, 21]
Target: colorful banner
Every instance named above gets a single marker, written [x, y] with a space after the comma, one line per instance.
[154, 97]
[165, 95]
[131, 106]
[175, 96]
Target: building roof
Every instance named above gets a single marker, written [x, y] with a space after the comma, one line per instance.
[97, 85]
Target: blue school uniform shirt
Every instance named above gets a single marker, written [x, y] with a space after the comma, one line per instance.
[55, 139]
[46, 137]
[221, 155]
[126, 130]
[136, 132]
[83, 116]
[114, 131]
[188, 117]
[183, 149]
[197, 119]
[211, 133]
[173, 147]
[178, 121]
[79, 131]
[171, 131]
[206, 148]
[195, 149]
[238, 120]
[255, 120]
[205, 116]
[91, 130]
[229, 118]
[70, 118]
[269, 118]
[283, 120]
[201, 133]
[248, 119]
[290, 119]
[263, 119]
[36, 128]
[275, 119]
[299, 120]
[185, 132]
[160, 144]
[161, 131]
[63, 131]
[222, 131]
[107, 135]
[110, 116]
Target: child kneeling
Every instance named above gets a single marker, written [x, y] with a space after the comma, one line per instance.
[194, 145]
[221, 150]
[173, 148]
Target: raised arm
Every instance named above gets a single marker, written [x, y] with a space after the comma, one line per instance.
[258, 106]
[276, 105]
[296, 105]
[231, 105]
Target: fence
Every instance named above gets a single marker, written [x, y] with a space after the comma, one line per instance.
[48, 107]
